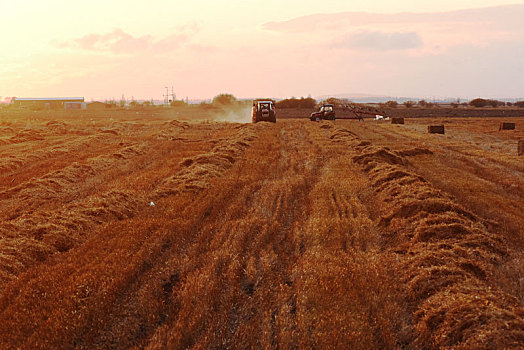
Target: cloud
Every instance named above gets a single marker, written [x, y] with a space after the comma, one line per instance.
[407, 33]
[120, 42]
[509, 16]
[381, 41]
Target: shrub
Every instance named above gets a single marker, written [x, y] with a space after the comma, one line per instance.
[392, 104]
[494, 103]
[178, 103]
[224, 100]
[337, 102]
[478, 102]
[481, 102]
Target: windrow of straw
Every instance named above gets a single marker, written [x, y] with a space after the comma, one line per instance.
[30, 234]
[52, 213]
[172, 130]
[34, 237]
[196, 172]
[447, 257]
[52, 186]
[24, 159]
[42, 131]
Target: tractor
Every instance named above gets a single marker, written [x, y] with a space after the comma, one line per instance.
[263, 110]
[326, 112]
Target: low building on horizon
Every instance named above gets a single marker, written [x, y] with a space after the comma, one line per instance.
[50, 102]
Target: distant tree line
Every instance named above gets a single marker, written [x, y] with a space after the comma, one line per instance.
[293, 102]
[228, 100]
[481, 102]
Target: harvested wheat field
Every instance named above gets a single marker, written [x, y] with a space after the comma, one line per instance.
[147, 232]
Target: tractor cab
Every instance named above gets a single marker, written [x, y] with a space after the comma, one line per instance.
[326, 108]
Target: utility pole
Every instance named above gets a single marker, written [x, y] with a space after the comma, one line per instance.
[166, 97]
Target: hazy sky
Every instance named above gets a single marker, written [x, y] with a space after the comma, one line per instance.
[253, 48]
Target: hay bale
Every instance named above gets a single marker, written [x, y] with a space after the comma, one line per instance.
[507, 126]
[521, 148]
[436, 129]
[397, 120]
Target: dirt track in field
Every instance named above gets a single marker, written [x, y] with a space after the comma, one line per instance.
[291, 235]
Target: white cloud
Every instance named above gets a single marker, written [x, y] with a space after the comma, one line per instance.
[120, 42]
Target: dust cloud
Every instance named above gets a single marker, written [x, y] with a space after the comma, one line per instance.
[234, 115]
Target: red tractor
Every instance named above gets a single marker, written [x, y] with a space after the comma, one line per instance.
[326, 112]
[263, 110]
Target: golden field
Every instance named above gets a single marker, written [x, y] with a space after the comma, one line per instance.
[131, 229]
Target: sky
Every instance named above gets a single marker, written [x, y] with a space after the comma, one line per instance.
[261, 48]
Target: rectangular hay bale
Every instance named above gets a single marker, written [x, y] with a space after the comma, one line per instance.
[521, 148]
[436, 129]
[507, 126]
[397, 120]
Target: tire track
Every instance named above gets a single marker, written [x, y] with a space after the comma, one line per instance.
[345, 295]
[247, 258]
